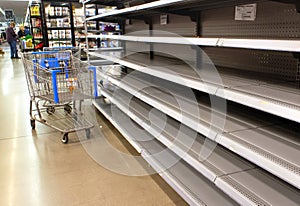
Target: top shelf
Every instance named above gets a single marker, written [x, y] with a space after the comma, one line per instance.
[152, 5]
[257, 44]
[277, 98]
[57, 17]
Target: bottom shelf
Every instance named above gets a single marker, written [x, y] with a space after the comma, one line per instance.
[189, 176]
[192, 186]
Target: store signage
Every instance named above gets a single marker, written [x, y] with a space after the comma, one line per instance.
[9, 14]
[164, 19]
[246, 12]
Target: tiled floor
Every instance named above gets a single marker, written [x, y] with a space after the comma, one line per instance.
[37, 169]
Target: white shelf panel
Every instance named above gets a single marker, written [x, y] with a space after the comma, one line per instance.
[100, 62]
[261, 44]
[106, 111]
[151, 5]
[257, 44]
[261, 153]
[162, 40]
[107, 49]
[220, 163]
[186, 186]
[278, 107]
[258, 184]
[275, 149]
[168, 103]
[220, 160]
[236, 89]
[193, 187]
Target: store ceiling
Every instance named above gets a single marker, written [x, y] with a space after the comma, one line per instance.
[19, 7]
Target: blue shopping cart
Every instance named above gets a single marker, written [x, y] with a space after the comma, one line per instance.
[56, 81]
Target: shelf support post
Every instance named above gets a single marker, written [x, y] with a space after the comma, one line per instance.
[85, 33]
[150, 23]
[97, 26]
[297, 56]
[72, 24]
[199, 57]
[44, 25]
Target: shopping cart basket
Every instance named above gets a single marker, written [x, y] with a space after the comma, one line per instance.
[56, 83]
[63, 48]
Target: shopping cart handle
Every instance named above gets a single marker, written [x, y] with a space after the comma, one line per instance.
[94, 70]
[54, 70]
[62, 47]
[45, 52]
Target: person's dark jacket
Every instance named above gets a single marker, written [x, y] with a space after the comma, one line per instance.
[21, 33]
[11, 35]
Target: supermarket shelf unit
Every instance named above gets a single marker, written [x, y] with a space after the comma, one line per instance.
[59, 23]
[36, 25]
[255, 160]
[102, 28]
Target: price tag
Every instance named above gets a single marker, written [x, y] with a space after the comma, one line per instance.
[245, 12]
[163, 19]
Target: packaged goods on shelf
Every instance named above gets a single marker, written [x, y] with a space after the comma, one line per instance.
[68, 34]
[58, 11]
[35, 10]
[51, 11]
[59, 22]
[55, 34]
[62, 34]
[65, 11]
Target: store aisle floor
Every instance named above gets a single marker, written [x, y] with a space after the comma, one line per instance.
[37, 169]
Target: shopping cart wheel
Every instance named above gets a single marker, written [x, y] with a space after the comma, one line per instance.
[68, 108]
[88, 133]
[32, 123]
[65, 138]
[50, 110]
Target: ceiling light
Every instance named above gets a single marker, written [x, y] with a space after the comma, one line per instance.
[1, 10]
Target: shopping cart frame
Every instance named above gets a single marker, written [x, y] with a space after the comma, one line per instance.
[64, 115]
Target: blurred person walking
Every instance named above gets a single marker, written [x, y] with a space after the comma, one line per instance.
[11, 38]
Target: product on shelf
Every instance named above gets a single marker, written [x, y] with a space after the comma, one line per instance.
[62, 34]
[51, 11]
[55, 34]
[68, 34]
[59, 22]
[36, 22]
[35, 10]
[58, 11]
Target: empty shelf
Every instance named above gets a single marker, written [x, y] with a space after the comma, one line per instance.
[151, 5]
[106, 110]
[262, 151]
[259, 187]
[186, 185]
[257, 44]
[280, 145]
[220, 166]
[100, 62]
[249, 92]
[192, 186]
[182, 140]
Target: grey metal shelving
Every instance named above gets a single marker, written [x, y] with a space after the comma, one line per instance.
[255, 73]
[257, 44]
[256, 138]
[176, 176]
[280, 98]
[221, 167]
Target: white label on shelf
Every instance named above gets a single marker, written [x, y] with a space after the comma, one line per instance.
[246, 12]
[164, 19]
